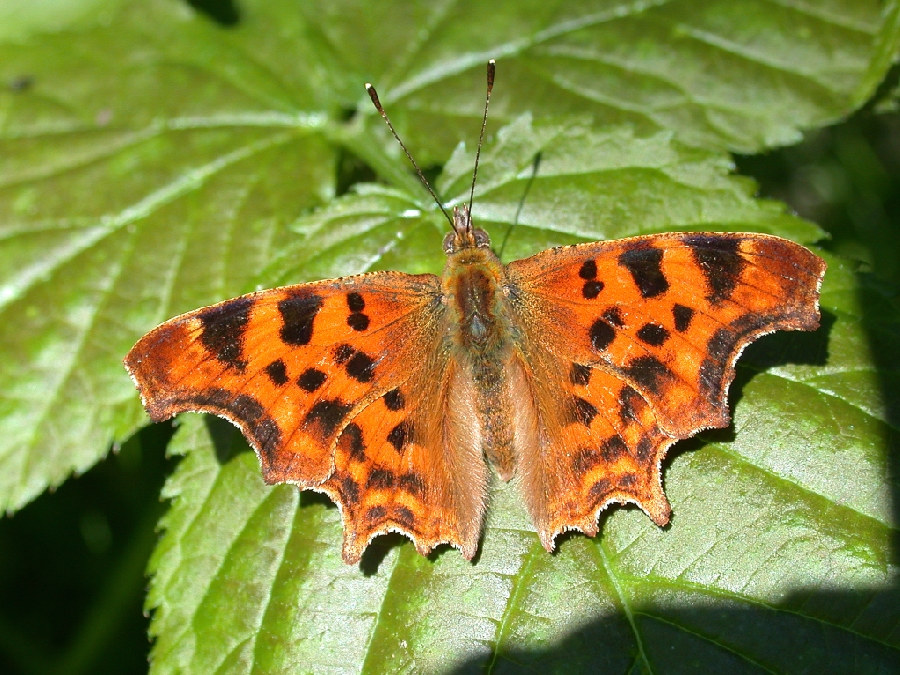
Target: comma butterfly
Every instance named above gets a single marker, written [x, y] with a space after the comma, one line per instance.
[575, 369]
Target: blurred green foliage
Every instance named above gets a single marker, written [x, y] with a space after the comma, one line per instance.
[72, 562]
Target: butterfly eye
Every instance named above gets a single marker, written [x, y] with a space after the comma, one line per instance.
[481, 238]
[450, 243]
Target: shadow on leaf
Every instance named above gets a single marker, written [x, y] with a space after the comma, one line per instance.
[815, 632]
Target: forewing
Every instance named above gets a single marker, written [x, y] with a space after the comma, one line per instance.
[668, 314]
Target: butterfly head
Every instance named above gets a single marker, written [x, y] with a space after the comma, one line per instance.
[463, 234]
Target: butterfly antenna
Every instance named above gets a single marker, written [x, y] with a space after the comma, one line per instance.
[535, 167]
[491, 69]
[374, 96]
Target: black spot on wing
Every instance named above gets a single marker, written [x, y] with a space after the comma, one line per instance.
[412, 483]
[601, 334]
[719, 348]
[393, 400]
[328, 413]
[613, 316]
[591, 289]
[361, 367]
[601, 488]
[584, 460]
[645, 266]
[358, 321]
[298, 312]
[579, 374]
[588, 270]
[720, 262]
[649, 373]
[613, 448]
[375, 514]
[626, 480]
[277, 372]
[353, 438]
[380, 479]
[628, 400]
[584, 411]
[355, 302]
[404, 517]
[349, 491]
[683, 316]
[653, 334]
[311, 379]
[223, 330]
[400, 435]
[645, 448]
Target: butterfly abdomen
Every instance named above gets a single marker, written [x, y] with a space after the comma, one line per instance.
[481, 330]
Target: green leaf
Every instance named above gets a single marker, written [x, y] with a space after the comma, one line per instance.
[21, 19]
[760, 510]
[152, 163]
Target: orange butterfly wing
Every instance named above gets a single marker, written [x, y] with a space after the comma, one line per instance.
[643, 334]
[319, 377]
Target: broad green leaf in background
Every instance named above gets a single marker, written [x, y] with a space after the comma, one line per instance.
[151, 163]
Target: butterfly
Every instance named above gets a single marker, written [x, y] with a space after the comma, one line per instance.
[573, 370]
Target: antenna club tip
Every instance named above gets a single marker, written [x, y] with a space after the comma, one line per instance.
[492, 62]
[374, 96]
